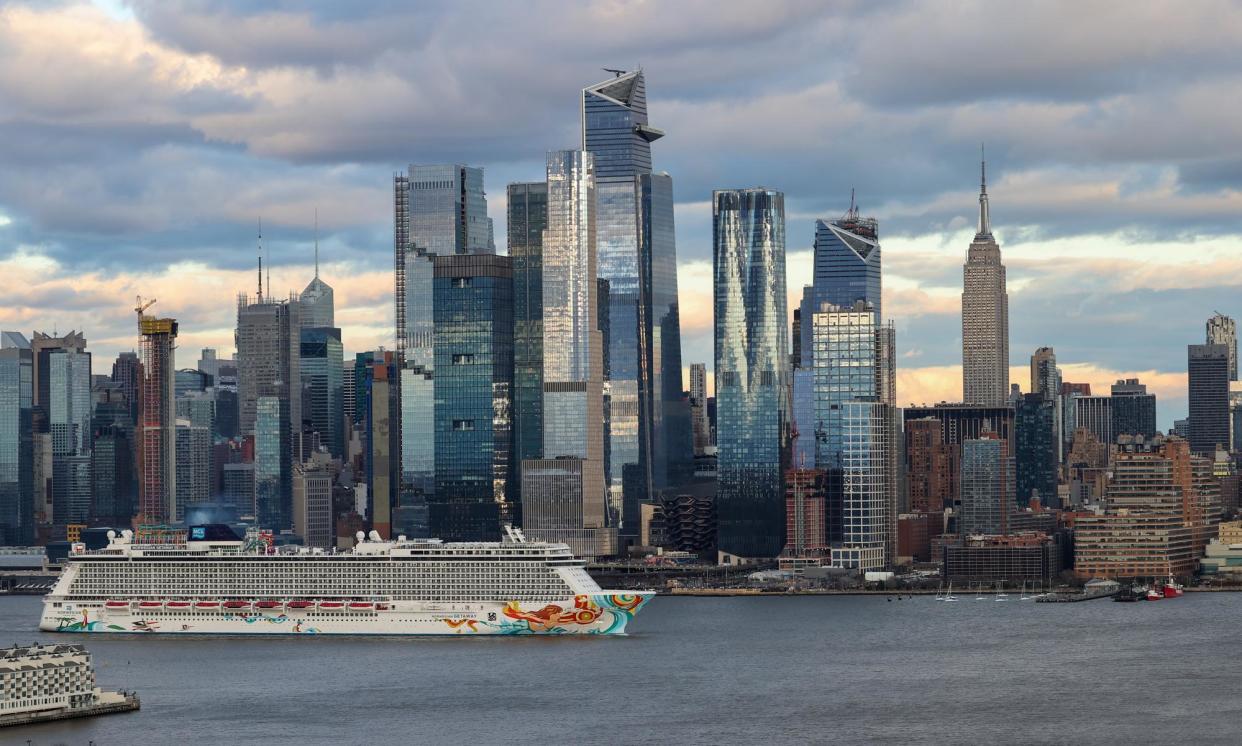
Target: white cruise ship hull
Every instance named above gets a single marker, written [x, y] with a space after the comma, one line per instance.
[601, 613]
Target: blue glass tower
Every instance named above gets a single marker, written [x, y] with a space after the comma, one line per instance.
[473, 398]
[16, 440]
[321, 357]
[752, 370]
[528, 218]
[846, 270]
[649, 439]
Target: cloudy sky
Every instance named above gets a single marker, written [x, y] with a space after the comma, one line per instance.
[141, 141]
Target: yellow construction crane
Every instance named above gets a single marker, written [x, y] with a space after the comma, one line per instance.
[141, 307]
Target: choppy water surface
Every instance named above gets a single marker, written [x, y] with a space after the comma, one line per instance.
[697, 670]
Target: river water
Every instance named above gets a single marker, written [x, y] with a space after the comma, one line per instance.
[804, 669]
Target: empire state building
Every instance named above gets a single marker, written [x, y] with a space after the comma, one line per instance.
[985, 315]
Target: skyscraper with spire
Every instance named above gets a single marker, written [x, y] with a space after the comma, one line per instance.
[985, 314]
[317, 299]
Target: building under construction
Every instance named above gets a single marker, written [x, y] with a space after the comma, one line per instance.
[157, 453]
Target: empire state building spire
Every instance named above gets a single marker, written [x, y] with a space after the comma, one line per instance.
[985, 314]
[985, 220]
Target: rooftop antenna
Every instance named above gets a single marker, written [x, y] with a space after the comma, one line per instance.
[616, 73]
[316, 243]
[985, 219]
[269, 262]
[260, 259]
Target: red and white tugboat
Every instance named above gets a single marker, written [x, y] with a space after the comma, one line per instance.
[1155, 594]
[1172, 589]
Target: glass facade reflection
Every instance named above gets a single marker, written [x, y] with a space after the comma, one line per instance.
[322, 385]
[272, 489]
[16, 440]
[473, 398]
[846, 270]
[649, 436]
[528, 217]
[69, 420]
[752, 370]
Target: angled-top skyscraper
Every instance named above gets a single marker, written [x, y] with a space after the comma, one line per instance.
[846, 270]
[985, 315]
[649, 422]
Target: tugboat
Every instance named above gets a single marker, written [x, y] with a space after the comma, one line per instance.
[1172, 589]
[1128, 594]
[1155, 594]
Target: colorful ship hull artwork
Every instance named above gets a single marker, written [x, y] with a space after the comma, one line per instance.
[223, 585]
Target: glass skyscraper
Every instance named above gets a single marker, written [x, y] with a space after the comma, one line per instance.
[528, 217]
[572, 469]
[437, 209]
[1035, 457]
[846, 270]
[273, 477]
[752, 370]
[321, 355]
[69, 419]
[16, 440]
[649, 427]
[473, 398]
[377, 412]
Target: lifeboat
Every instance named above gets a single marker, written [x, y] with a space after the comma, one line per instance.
[361, 605]
[207, 605]
[299, 604]
[150, 604]
[117, 604]
[331, 605]
[236, 604]
[267, 604]
[178, 604]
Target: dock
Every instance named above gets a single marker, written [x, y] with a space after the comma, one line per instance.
[112, 703]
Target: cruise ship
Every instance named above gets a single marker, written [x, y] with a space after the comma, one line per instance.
[215, 583]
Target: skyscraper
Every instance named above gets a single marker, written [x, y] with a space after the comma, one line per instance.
[752, 370]
[437, 209]
[474, 490]
[318, 305]
[987, 486]
[193, 466]
[649, 440]
[1035, 452]
[528, 217]
[312, 504]
[17, 524]
[127, 372]
[157, 460]
[67, 399]
[1221, 330]
[377, 411]
[846, 270]
[321, 355]
[564, 495]
[1133, 409]
[985, 316]
[701, 429]
[42, 346]
[1046, 381]
[1208, 373]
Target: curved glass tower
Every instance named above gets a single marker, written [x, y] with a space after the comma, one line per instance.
[752, 370]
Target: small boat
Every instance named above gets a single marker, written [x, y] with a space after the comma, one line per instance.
[331, 605]
[979, 593]
[1000, 592]
[949, 595]
[267, 604]
[1024, 596]
[178, 604]
[150, 604]
[117, 604]
[299, 604]
[360, 604]
[236, 604]
[1155, 594]
[1172, 589]
[207, 605]
[1127, 594]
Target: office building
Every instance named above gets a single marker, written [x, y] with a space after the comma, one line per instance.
[268, 356]
[474, 472]
[649, 432]
[317, 302]
[868, 505]
[1046, 381]
[320, 356]
[194, 475]
[127, 373]
[528, 218]
[17, 488]
[987, 487]
[42, 346]
[157, 461]
[1095, 413]
[1221, 330]
[418, 429]
[377, 409]
[1035, 450]
[437, 209]
[273, 473]
[1208, 373]
[929, 464]
[1133, 409]
[846, 266]
[752, 370]
[985, 316]
[312, 505]
[1026, 558]
[806, 492]
[68, 404]
[700, 427]
[564, 494]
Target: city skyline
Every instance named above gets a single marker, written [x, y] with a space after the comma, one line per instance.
[1086, 221]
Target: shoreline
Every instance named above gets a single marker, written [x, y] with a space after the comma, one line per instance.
[731, 592]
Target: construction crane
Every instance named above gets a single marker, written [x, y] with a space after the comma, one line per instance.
[140, 308]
